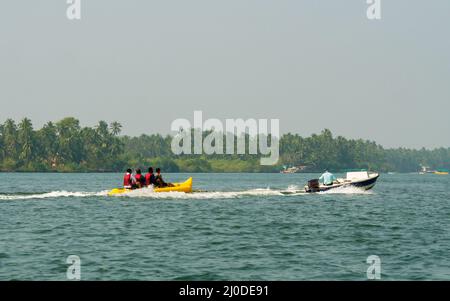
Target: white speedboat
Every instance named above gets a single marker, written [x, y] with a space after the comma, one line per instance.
[360, 179]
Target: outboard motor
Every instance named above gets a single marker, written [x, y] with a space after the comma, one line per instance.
[313, 185]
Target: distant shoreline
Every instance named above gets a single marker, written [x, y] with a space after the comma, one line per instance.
[67, 147]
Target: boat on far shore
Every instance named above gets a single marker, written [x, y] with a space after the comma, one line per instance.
[441, 172]
[293, 169]
[427, 170]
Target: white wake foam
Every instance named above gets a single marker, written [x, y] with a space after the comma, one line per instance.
[148, 193]
[293, 188]
[53, 194]
[347, 190]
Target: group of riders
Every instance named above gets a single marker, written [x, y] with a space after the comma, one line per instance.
[138, 180]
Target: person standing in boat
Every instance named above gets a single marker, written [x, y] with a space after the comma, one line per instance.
[327, 178]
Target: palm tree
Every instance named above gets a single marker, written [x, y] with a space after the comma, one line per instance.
[71, 148]
[102, 129]
[48, 143]
[116, 128]
[10, 139]
[26, 140]
[2, 147]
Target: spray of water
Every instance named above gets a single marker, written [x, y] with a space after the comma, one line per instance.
[53, 194]
[150, 194]
[147, 193]
[347, 190]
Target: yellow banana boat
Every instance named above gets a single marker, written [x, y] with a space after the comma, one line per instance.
[177, 187]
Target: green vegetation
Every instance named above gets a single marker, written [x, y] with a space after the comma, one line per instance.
[65, 146]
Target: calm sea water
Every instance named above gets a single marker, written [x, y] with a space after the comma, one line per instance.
[241, 229]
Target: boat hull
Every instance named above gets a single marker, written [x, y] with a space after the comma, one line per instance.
[177, 187]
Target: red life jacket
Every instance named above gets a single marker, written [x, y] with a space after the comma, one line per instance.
[147, 178]
[138, 178]
[127, 180]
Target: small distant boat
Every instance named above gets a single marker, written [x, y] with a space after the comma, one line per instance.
[290, 170]
[427, 170]
[293, 169]
[441, 173]
[360, 179]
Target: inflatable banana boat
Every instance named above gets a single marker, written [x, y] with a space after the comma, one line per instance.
[177, 187]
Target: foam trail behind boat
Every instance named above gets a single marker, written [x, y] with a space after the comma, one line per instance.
[53, 194]
[347, 190]
[148, 193]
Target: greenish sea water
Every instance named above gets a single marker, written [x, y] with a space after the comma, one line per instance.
[243, 228]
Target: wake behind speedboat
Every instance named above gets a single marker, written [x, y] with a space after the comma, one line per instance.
[361, 179]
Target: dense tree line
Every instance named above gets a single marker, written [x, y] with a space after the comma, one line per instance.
[324, 151]
[60, 146]
[66, 146]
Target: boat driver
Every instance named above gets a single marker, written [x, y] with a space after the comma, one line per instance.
[327, 178]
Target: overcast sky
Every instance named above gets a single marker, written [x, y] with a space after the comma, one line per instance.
[313, 64]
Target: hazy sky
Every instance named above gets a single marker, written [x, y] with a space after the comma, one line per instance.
[313, 64]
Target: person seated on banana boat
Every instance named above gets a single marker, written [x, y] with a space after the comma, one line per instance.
[140, 179]
[128, 179]
[159, 182]
[327, 178]
[150, 178]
